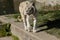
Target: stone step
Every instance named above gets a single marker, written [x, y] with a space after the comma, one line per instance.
[17, 29]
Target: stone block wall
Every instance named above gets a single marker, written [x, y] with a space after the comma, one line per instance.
[16, 4]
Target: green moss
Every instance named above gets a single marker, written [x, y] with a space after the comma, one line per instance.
[45, 16]
[5, 30]
[15, 37]
[13, 16]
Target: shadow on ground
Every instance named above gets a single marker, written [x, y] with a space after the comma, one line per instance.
[50, 25]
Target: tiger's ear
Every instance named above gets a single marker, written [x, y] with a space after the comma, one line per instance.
[33, 3]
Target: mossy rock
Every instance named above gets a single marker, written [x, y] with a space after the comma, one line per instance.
[5, 29]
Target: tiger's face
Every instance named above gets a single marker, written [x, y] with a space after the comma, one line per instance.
[30, 10]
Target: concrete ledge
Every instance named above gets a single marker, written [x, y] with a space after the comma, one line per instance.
[18, 30]
[6, 38]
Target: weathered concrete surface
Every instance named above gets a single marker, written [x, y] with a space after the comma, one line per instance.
[18, 30]
[6, 38]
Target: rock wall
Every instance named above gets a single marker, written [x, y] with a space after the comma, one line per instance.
[48, 4]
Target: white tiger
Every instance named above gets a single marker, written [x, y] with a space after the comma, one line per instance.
[26, 9]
